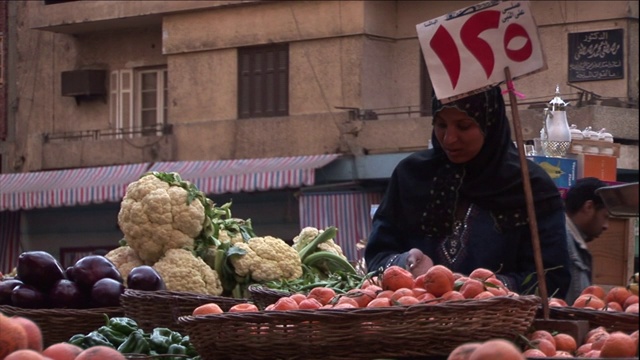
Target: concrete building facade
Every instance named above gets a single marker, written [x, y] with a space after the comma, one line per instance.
[341, 54]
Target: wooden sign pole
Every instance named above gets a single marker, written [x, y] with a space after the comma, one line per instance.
[533, 224]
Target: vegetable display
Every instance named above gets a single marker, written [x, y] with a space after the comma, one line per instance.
[160, 212]
[181, 271]
[40, 283]
[124, 335]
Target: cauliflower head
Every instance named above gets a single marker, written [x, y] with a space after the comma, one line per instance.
[182, 271]
[267, 258]
[228, 237]
[309, 233]
[156, 216]
[125, 259]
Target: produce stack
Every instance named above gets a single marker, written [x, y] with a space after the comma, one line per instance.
[197, 247]
[391, 316]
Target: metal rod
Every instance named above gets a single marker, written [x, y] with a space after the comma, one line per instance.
[533, 224]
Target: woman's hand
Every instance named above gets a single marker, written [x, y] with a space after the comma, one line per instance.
[418, 263]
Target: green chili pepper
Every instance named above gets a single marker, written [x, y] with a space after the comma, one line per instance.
[160, 340]
[94, 338]
[135, 344]
[77, 340]
[123, 325]
[177, 349]
[114, 337]
[191, 350]
[176, 337]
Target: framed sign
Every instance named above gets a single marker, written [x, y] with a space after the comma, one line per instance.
[596, 55]
[468, 50]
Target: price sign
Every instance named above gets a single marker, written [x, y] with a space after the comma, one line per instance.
[467, 50]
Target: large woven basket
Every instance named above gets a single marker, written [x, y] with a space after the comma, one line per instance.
[263, 296]
[360, 333]
[611, 320]
[155, 357]
[151, 309]
[58, 325]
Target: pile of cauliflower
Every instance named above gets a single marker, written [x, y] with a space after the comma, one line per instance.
[162, 219]
[196, 247]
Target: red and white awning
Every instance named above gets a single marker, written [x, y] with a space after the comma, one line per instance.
[232, 176]
[67, 187]
[109, 183]
[349, 212]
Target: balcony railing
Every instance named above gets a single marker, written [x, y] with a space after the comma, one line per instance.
[108, 134]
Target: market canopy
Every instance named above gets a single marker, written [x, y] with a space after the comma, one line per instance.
[232, 176]
[70, 187]
[348, 211]
[108, 183]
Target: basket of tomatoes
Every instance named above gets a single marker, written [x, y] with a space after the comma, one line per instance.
[380, 319]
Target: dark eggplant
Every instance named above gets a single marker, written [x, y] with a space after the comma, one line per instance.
[68, 272]
[6, 287]
[67, 294]
[39, 269]
[88, 270]
[145, 277]
[106, 293]
[28, 296]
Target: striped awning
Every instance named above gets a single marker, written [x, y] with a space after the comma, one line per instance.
[349, 212]
[232, 176]
[67, 187]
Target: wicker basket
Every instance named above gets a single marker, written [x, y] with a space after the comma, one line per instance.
[263, 296]
[151, 309]
[361, 333]
[58, 325]
[155, 357]
[611, 320]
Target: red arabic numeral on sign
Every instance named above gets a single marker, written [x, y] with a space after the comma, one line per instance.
[470, 36]
[445, 47]
[522, 54]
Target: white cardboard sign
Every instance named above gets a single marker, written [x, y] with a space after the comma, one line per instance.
[467, 50]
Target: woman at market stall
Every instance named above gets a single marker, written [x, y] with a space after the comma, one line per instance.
[462, 204]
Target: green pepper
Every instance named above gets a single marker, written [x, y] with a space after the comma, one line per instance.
[191, 350]
[123, 325]
[134, 344]
[94, 338]
[160, 340]
[176, 337]
[114, 337]
[177, 349]
[77, 339]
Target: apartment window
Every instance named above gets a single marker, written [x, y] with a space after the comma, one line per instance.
[151, 93]
[138, 101]
[426, 88]
[263, 81]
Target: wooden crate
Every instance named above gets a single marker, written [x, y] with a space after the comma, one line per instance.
[614, 253]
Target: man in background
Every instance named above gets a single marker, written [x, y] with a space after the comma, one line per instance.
[587, 218]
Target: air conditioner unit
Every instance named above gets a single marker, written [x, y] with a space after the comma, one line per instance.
[84, 83]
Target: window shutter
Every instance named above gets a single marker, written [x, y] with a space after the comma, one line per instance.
[125, 108]
[244, 85]
[263, 81]
[114, 118]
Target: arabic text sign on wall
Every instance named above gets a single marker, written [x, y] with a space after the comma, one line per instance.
[469, 49]
[596, 55]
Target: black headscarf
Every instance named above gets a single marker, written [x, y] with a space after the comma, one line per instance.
[491, 180]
